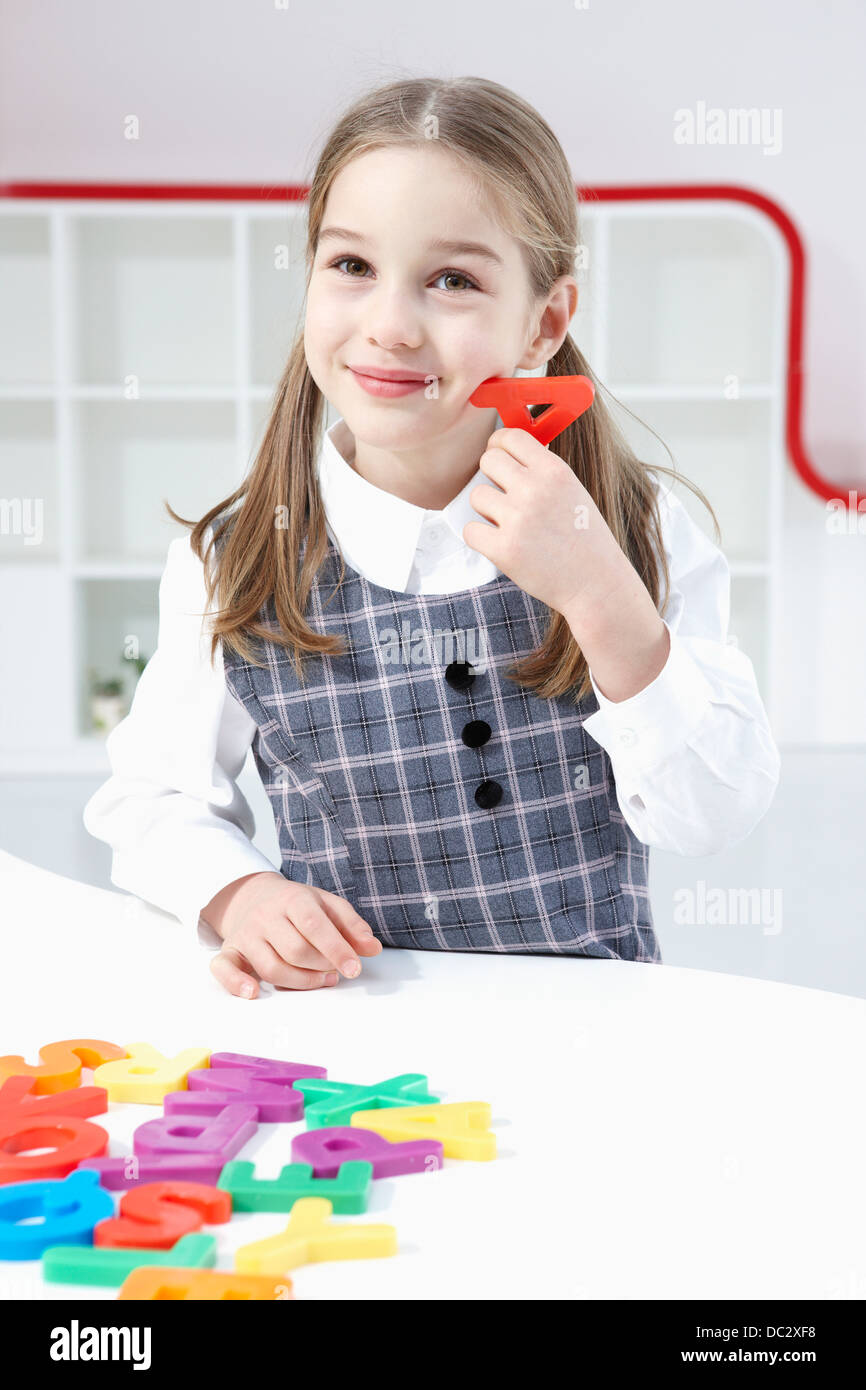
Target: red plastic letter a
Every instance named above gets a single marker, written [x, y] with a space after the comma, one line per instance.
[568, 397]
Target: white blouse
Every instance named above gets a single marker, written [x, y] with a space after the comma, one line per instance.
[693, 757]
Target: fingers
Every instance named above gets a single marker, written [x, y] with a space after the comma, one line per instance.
[503, 469]
[238, 974]
[234, 973]
[311, 936]
[487, 502]
[520, 445]
[276, 971]
[286, 975]
[315, 925]
[294, 949]
[352, 925]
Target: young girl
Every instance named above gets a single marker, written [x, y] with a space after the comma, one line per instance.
[443, 640]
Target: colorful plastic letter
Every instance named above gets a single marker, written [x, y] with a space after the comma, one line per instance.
[61, 1063]
[132, 1169]
[462, 1126]
[333, 1102]
[18, 1100]
[328, 1149]
[210, 1090]
[309, 1237]
[200, 1284]
[270, 1068]
[69, 1139]
[94, 1264]
[156, 1215]
[348, 1191]
[222, 1135]
[67, 1210]
[566, 397]
[145, 1076]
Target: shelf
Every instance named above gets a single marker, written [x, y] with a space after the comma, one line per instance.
[681, 391]
[117, 569]
[277, 280]
[112, 618]
[750, 625]
[24, 392]
[141, 343]
[86, 757]
[690, 300]
[153, 300]
[138, 453]
[26, 332]
[723, 447]
[29, 486]
[584, 325]
[153, 392]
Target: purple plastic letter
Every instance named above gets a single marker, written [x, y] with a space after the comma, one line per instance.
[214, 1136]
[325, 1149]
[128, 1171]
[265, 1067]
[210, 1091]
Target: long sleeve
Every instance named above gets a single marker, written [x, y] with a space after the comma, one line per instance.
[693, 756]
[178, 825]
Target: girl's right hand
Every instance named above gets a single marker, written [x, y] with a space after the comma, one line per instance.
[285, 933]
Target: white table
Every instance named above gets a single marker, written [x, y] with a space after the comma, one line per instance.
[663, 1133]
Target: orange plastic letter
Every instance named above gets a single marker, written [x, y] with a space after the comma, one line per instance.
[61, 1063]
[158, 1281]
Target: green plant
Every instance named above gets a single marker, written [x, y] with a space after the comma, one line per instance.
[110, 685]
[139, 662]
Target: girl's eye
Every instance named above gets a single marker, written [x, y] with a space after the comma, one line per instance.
[445, 274]
[352, 260]
[457, 275]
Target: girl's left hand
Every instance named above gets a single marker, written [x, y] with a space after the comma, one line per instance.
[547, 534]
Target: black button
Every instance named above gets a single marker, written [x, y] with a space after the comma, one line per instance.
[459, 675]
[488, 794]
[476, 732]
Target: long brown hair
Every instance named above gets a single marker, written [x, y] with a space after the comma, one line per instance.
[505, 145]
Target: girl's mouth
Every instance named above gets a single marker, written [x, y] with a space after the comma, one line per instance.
[376, 386]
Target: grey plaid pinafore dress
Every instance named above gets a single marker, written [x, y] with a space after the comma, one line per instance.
[453, 808]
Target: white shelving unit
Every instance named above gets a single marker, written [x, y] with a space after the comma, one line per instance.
[683, 317]
[140, 342]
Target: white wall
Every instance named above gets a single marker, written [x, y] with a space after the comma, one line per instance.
[244, 90]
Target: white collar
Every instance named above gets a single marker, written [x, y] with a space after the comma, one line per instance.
[378, 533]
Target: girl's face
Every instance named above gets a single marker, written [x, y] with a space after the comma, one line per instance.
[383, 294]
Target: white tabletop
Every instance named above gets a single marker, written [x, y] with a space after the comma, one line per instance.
[663, 1133]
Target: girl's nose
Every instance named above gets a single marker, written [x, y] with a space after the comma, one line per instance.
[391, 321]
